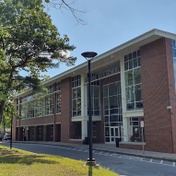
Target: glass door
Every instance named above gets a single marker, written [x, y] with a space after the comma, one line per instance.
[114, 133]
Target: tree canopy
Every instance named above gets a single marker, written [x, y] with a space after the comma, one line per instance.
[29, 43]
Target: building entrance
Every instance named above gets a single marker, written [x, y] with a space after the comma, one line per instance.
[112, 111]
[114, 133]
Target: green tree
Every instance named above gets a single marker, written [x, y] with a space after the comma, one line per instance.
[28, 42]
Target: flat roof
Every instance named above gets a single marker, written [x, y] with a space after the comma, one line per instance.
[113, 54]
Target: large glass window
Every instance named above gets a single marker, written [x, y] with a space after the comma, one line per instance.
[41, 105]
[135, 129]
[58, 102]
[76, 95]
[49, 105]
[95, 98]
[133, 83]
[112, 108]
[58, 97]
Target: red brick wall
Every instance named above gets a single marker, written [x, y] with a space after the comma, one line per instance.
[131, 146]
[37, 121]
[100, 132]
[171, 91]
[63, 118]
[66, 109]
[155, 90]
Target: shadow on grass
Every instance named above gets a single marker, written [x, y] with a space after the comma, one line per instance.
[15, 157]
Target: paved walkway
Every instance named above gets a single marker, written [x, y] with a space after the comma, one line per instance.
[113, 148]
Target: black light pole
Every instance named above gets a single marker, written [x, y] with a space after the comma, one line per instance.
[11, 123]
[89, 56]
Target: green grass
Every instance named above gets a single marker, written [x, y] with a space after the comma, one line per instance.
[21, 163]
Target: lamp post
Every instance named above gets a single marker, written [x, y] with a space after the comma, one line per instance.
[11, 123]
[89, 56]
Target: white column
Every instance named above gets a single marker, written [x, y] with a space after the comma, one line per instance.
[125, 127]
[123, 92]
[83, 107]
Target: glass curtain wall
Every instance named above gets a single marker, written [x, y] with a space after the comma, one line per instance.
[95, 99]
[76, 95]
[112, 111]
[133, 85]
[39, 105]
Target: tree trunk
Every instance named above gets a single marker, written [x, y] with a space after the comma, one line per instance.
[2, 103]
[4, 124]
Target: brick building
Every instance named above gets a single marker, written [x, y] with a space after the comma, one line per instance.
[130, 84]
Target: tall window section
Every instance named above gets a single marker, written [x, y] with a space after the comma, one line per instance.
[95, 99]
[58, 97]
[112, 104]
[39, 105]
[133, 83]
[112, 111]
[76, 95]
[49, 104]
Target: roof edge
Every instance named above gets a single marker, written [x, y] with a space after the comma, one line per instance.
[128, 43]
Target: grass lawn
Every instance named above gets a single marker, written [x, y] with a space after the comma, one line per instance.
[21, 163]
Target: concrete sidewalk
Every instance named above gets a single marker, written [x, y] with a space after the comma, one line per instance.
[114, 149]
[140, 153]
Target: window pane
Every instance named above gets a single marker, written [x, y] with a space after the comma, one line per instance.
[173, 52]
[96, 92]
[138, 92]
[114, 118]
[129, 78]
[74, 93]
[106, 112]
[112, 89]
[138, 53]
[139, 105]
[78, 104]
[74, 105]
[112, 132]
[113, 102]
[96, 113]
[139, 61]
[114, 111]
[96, 103]
[130, 64]
[126, 58]
[130, 106]
[135, 63]
[126, 66]
[106, 103]
[79, 92]
[106, 119]
[130, 94]
[134, 54]
[105, 91]
[137, 76]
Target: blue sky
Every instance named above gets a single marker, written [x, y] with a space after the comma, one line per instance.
[111, 23]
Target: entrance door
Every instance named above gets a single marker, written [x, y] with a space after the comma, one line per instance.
[114, 133]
